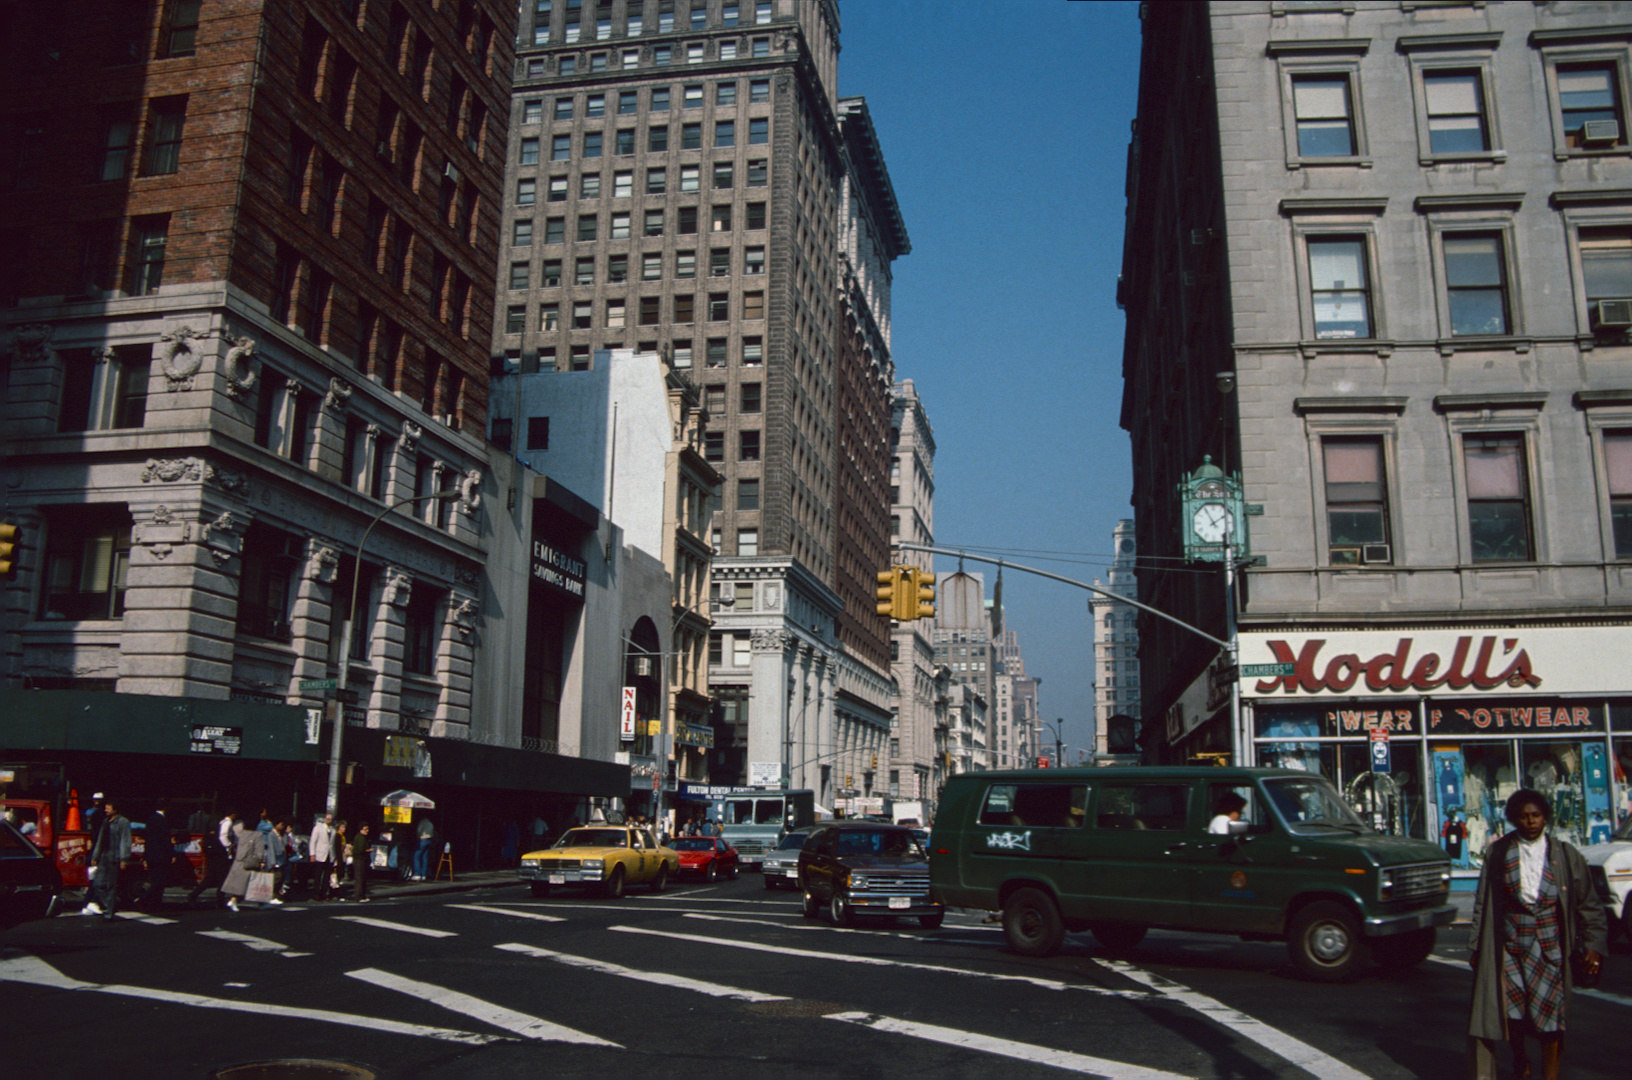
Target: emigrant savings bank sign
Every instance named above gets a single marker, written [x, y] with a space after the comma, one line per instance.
[1539, 660]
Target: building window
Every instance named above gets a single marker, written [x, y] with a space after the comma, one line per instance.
[716, 352]
[147, 241]
[761, 47]
[719, 262]
[549, 316]
[169, 116]
[550, 276]
[748, 446]
[1340, 287]
[1456, 112]
[747, 494]
[1476, 283]
[685, 264]
[1356, 501]
[555, 230]
[625, 143]
[759, 173]
[651, 266]
[87, 559]
[690, 178]
[714, 446]
[691, 136]
[650, 307]
[617, 314]
[753, 351]
[756, 215]
[692, 96]
[720, 219]
[724, 175]
[725, 132]
[633, 25]
[657, 140]
[583, 314]
[685, 309]
[181, 30]
[557, 190]
[589, 186]
[1590, 106]
[529, 151]
[753, 260]
[747, 545]
[1606, 273]
[1618, 466]
[595, 105]
[759, 91]
[749, 397]
[1325, 118]
[592, 144]
[617, 266]
[653, 223]
[521, 233]
[587, 226]
[116, 145]
[519, 275]
[515, 318]
[728, 50]
[104, 389]
[753, 305]
[686, 221]
[725, 93]
[526, 192]
[1498, 497]
[532, 111]
[662, 55]
[759, 130]
[560, 150]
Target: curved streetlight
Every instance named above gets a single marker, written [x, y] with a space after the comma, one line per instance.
[331, 805]
[1058, 726]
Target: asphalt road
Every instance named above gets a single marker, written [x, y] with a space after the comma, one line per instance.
[712, 982]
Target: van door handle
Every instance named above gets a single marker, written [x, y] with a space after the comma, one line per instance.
[1173, 848]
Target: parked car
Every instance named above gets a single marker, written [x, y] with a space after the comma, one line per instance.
[30, 883]
[1120, 850]
[1611, 866]
[606, 857]
[780, 865]
[709, 856]
[866, 868]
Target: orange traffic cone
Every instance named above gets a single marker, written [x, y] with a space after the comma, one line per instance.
[73, 822]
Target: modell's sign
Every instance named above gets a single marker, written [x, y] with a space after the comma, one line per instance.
[1541, 660]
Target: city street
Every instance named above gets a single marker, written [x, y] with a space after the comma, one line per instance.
[711, 981]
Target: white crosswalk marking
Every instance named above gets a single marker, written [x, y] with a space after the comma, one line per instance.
[678, 982]
[530, 1027]
[508, 911]
[29, 969]
[1041, 1055]
[1294, 1050]
[259, 944]
[138, 916]
[403, 928]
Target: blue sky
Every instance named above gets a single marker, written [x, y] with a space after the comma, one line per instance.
[1005, 126]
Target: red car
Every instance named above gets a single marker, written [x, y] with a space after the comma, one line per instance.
[709, 856]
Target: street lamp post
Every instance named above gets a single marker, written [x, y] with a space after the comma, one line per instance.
[1058, 727]
[337, 736]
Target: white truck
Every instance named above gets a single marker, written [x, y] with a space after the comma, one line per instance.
[909, 812]
[1611, 866]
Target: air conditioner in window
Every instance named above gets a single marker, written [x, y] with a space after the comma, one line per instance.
[1345, 556]
[451, 172]
[1601, 132]
[1612, 314]
[643, 667]
[1376, 553]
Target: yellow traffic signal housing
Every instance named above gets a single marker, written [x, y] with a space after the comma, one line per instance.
[894, 593]
[8, 547]
[923, 594]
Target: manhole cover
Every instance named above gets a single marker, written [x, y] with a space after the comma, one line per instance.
[795, 1007]
[294, 1069]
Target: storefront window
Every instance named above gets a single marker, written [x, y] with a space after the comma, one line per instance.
[1390, 802]
[1557, 770]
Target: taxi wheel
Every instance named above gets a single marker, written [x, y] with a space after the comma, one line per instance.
[1118, 937]
[661, 882]
[614, 884]
[1324, 940]
[810, 907]
[1402, 952]
[540, 888]
[931, 922]
[712, 874]
[1032, 923]
[840, 912]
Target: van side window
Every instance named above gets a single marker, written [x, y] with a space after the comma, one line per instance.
[1141, 806]
[1036, 806]
[1252, 813]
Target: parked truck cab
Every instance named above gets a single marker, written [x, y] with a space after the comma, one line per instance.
[1119, 851]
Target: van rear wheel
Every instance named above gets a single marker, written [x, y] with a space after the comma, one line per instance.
[1324, 940]
[1031, 922]
[1117, 937]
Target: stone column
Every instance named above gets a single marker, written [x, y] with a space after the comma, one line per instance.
[455, 661]
[311, 617]
[387, 648]
[770, 710]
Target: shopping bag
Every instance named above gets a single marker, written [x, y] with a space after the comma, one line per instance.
[260, 887]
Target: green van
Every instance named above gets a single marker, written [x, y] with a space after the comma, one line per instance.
[1121, 850]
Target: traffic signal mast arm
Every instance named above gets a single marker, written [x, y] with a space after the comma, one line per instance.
[1069, 581]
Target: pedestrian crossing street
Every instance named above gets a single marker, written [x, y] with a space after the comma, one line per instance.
[767, 937]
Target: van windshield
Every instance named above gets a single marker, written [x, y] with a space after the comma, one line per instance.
[1310, 806]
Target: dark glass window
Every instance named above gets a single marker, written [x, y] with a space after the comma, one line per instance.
[1498, 498]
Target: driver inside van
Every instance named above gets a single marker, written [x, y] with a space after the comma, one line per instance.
[1230, 806]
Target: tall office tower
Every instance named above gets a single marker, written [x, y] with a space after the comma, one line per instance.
[913, 756]
[1402, 233]
[1015, 724]
[684, 180]
[1116, 647]
[250, 251]
[962, 642]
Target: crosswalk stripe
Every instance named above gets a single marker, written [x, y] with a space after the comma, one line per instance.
[876, 961]
[1295, 1050]
[139, 916]
[805, 924]
[508, 911]
[1041, 1055]
[401, 927]
[529, 1027]
[259, 944]
[677, 982]
[29, 969]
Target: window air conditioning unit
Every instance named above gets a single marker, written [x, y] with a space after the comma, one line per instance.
[1601, 132]
[643, 667]
[1345, 556]
[1612, 314]
[450, 171]
[1376, 553]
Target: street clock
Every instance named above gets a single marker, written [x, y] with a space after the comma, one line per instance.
[1213, 513]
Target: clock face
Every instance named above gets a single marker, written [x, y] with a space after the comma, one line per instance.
[1212, 522]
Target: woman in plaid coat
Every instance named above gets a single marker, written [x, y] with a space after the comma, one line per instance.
[1536, 906]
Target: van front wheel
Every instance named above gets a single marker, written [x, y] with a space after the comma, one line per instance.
[1032, 923]
[1324, 940]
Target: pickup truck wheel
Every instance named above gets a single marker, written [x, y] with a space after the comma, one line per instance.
[1324, 940]
[840, 912]
[932, 922]
[1117, 937]
[1402, 952]
[810, 908]
[540, 889]
[661, 882]
[614, 884]
[1032, 924]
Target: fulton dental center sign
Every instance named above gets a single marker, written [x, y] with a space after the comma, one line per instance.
[1530, 662]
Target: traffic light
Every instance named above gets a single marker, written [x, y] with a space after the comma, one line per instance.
[894, 591]
[8, 547]
[922, 594]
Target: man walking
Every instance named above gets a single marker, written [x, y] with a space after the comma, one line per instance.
[360, 858]
[422, 853]
[158, 851]
[217, 860]
[110, 853]
[320, 849]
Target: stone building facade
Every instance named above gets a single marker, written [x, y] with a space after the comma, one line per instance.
[914, 762]
[1116, 644]
[1404, 234]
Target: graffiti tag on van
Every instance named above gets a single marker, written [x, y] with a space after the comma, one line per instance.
[1010, 841]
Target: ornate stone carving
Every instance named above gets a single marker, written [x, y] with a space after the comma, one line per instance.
[339, 393]
[464, 617]
[235, 484]
[180, 357]
[224, 523]
[466, 575]
[787, 42]
[410, 435]
[162, 515]
[470, 492]
[239, 367]
[322, 561]
[784, 83]
[771, 641]
[31, 343]
[170, 470]
[398, 584]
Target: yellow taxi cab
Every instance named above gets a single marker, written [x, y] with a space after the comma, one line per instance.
[606, 857]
